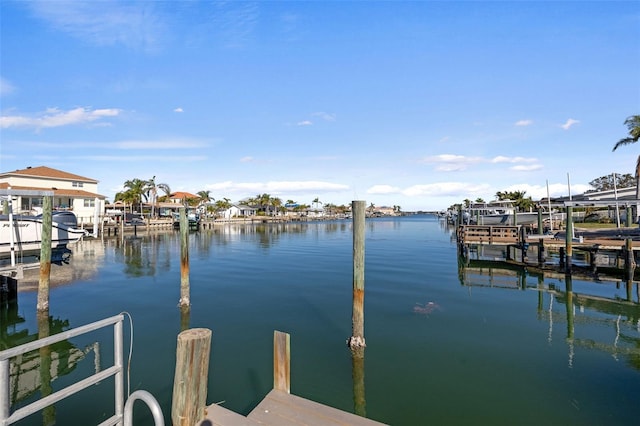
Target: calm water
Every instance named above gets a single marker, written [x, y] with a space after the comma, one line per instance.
[445, 344]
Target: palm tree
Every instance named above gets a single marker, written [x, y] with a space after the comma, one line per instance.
[166, 189]
[151, 190]
[136, 187]
[633, 124]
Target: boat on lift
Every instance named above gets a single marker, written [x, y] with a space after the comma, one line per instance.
[23, 234]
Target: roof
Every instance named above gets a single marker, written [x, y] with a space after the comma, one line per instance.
[48, 172]
[182, 195]
[74, 193]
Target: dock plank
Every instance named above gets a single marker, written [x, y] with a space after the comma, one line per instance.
[217, 415]
[283, 409]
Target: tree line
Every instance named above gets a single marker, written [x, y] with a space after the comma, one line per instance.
[138, 191]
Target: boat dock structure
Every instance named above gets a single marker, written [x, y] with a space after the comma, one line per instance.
[615, 248]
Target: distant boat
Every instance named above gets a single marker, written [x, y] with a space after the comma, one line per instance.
[25, 232]
[498, 213]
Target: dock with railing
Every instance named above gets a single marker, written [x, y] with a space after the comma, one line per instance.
[279, 407]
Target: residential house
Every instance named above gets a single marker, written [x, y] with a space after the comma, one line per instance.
[237, 210]
[70, 191]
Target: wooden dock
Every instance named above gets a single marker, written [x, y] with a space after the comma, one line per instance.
[280, 407]
[284, 409]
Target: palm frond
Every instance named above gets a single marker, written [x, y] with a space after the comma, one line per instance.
[625, 141]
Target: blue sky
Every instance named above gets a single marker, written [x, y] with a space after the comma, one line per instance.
[417, 104]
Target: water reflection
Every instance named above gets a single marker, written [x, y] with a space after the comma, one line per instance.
[603, 316]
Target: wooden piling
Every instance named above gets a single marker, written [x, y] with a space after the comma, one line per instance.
[184, 259]
[281, 361]
[630, 263]
[541, 251]
[191, 377]
[540, 225]
[45, 255]
[629, 219]
[357, 318]
[569, 239]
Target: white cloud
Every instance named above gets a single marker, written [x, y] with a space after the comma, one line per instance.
[53, 117]
[304, 123]
[278, 187]
[522, 123]
[179, 109]
[325, 116]
[451, 162]
[458, 189]
[383, 189]
[529, 168]
[569, 123]
[5, 87]
[502, 159]
[132, 24]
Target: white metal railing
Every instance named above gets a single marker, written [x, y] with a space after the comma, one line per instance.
[7, 418]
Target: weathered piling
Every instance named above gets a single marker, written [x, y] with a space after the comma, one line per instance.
[629, 220]
[540, 224]
[45, 255]
[8, 290]
[630, 262]
[281, 361]
[184, 258]
[191, 376]
[569, 239]
[357, 317]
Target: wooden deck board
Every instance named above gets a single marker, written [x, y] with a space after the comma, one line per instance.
[280, 408]
[283, 409]
[217, 415]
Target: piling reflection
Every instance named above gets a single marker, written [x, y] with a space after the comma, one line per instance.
[32, 375]
[357, 363]
[602, 316]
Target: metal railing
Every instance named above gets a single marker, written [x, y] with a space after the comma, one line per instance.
[7, 418]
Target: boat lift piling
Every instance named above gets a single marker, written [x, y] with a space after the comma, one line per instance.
[45, 255]
[184, 259]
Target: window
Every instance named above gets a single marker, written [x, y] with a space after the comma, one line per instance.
[89, 202]
[77, 184]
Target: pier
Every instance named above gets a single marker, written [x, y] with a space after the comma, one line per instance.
[513, 245]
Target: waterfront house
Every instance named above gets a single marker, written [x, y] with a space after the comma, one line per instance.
[70, 191]
[237, 210]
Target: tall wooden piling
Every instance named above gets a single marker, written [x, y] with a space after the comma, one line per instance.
[569, 239]
[629, 219]
[45, 255]
[281, 361]
[357, 317]
[191, 377]
[184, 259]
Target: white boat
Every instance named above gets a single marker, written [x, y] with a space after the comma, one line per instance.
[24, 233]
[499, 213]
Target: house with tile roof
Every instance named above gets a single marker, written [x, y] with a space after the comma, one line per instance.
[70, 191]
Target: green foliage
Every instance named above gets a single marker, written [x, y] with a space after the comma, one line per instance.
[606, 183]
[518, 198]
[633, 125]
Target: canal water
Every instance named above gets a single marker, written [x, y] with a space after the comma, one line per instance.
[447, 342]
